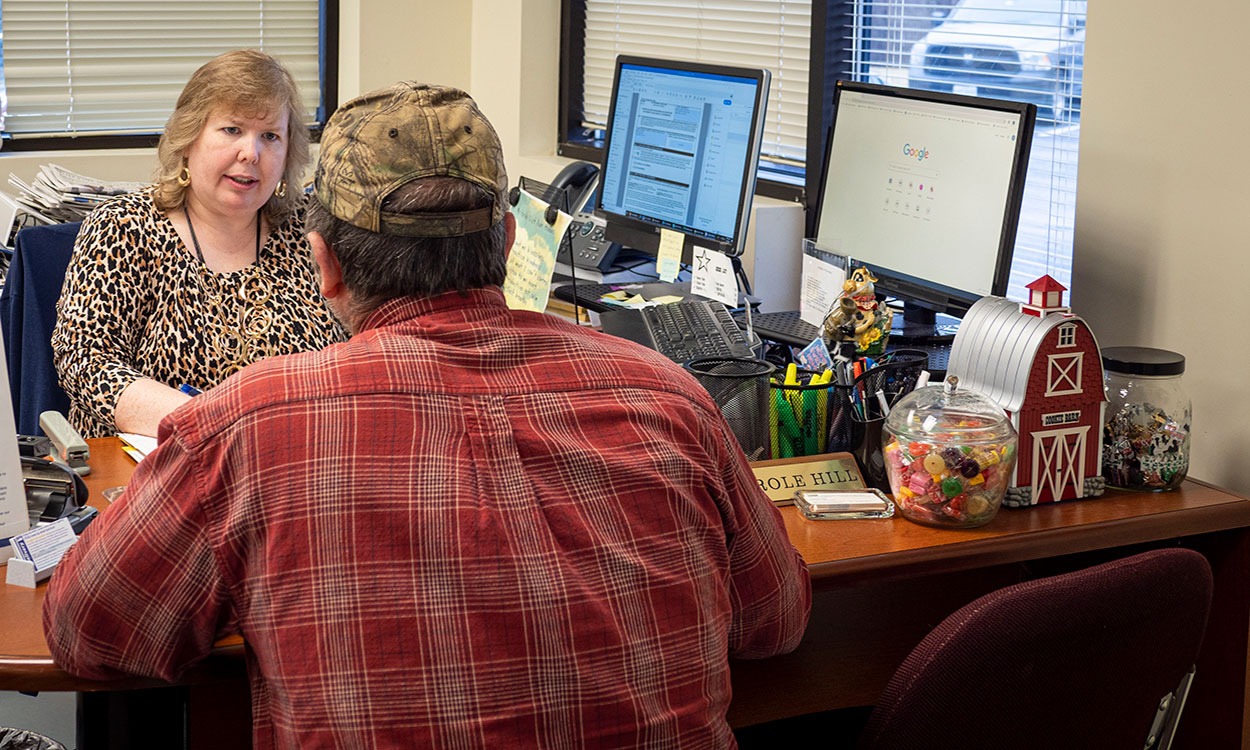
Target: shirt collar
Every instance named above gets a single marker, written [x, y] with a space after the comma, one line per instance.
[405, 308]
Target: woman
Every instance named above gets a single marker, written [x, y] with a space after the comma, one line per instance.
[186, 282]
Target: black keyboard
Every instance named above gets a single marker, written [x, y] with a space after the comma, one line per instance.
[681, 331]
[788, 328]
[782, 327]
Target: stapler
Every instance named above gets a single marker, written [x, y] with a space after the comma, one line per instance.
[71, 449]
[54, 492]
[35, 446]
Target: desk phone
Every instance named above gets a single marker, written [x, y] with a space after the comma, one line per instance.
[585, 246]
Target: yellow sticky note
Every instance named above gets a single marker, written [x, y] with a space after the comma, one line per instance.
[668, 261]
[637, 299]
[667, 298]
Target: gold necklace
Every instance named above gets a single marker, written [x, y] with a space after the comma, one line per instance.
[245, 343]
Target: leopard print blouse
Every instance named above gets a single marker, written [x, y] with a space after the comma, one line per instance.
[138, 303]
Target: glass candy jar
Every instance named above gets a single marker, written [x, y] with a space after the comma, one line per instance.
[1145, 439]
[949, 454]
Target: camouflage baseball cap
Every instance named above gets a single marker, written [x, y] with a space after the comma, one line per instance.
[387, 138]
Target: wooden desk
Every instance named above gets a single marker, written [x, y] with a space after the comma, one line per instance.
[879, 587]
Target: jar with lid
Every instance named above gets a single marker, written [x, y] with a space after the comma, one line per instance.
[949, 453]
[1145, 439]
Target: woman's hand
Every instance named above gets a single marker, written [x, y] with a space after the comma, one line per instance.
[143, 405]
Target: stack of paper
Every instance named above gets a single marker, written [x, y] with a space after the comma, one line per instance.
[137, 446]
[58, 195]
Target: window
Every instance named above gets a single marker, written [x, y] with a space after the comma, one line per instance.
[1063, 374]
[1067, 335]
[1023, 50]
[93, 68]
[769, 34]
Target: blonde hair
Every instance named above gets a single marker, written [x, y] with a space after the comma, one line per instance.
[246, 82]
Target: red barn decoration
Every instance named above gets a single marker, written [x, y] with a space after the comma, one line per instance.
[1041, 364]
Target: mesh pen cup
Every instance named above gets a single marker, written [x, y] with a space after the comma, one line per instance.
[807, 419]
[739, 386]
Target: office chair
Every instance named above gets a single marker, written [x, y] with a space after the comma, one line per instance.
[1099, 658]
[27, 316]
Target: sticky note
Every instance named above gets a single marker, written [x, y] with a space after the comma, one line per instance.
[668, 261]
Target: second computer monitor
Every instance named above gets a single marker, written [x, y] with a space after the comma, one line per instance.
[925, 190]
[681, 152]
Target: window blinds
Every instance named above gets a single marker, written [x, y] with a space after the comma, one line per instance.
[769, 34]
[1024, 50]
[87, 67]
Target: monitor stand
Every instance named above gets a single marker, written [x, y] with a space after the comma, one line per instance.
[917, 325]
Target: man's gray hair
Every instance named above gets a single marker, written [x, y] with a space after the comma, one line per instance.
[380, 267]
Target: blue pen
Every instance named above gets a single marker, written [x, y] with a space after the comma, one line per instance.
[190, 390]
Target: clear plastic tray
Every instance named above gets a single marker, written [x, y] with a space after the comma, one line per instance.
[825, 505]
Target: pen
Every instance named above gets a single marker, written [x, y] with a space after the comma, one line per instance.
[885, 405]
[190, 390]
[822, 416]
[774, 417]
[809, 423]
[791, 428]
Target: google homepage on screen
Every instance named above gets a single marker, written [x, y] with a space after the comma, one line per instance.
[919, 187]
[678, 149]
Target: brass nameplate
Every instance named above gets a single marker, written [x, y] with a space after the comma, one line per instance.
[780, 477]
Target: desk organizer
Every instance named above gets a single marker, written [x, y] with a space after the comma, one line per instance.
[739, 386]
[806, 418]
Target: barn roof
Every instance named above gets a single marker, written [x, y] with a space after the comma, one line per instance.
[994, 349]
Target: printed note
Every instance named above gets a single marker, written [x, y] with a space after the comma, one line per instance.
[533, 256]
[713, 277]
[13, 516]
[822, 285]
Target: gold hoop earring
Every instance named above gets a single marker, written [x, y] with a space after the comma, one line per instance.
[184, 177]
[280, 190]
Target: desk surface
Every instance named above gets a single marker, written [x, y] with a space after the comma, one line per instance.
[25, 663]
[842, 555]
[842, 552]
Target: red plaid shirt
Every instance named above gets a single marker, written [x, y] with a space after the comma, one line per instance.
[466, 527]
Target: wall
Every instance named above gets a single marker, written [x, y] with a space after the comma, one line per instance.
[383, 41]
[119, 164]
[1162, 257]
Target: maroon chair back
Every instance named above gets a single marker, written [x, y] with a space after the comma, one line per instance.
[1079, 660]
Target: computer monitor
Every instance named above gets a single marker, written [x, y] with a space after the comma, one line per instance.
[924, 189]
[681, 152]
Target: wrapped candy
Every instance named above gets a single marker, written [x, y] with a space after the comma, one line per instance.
[949, 456]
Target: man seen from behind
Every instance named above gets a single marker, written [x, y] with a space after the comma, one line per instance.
[467, 526]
